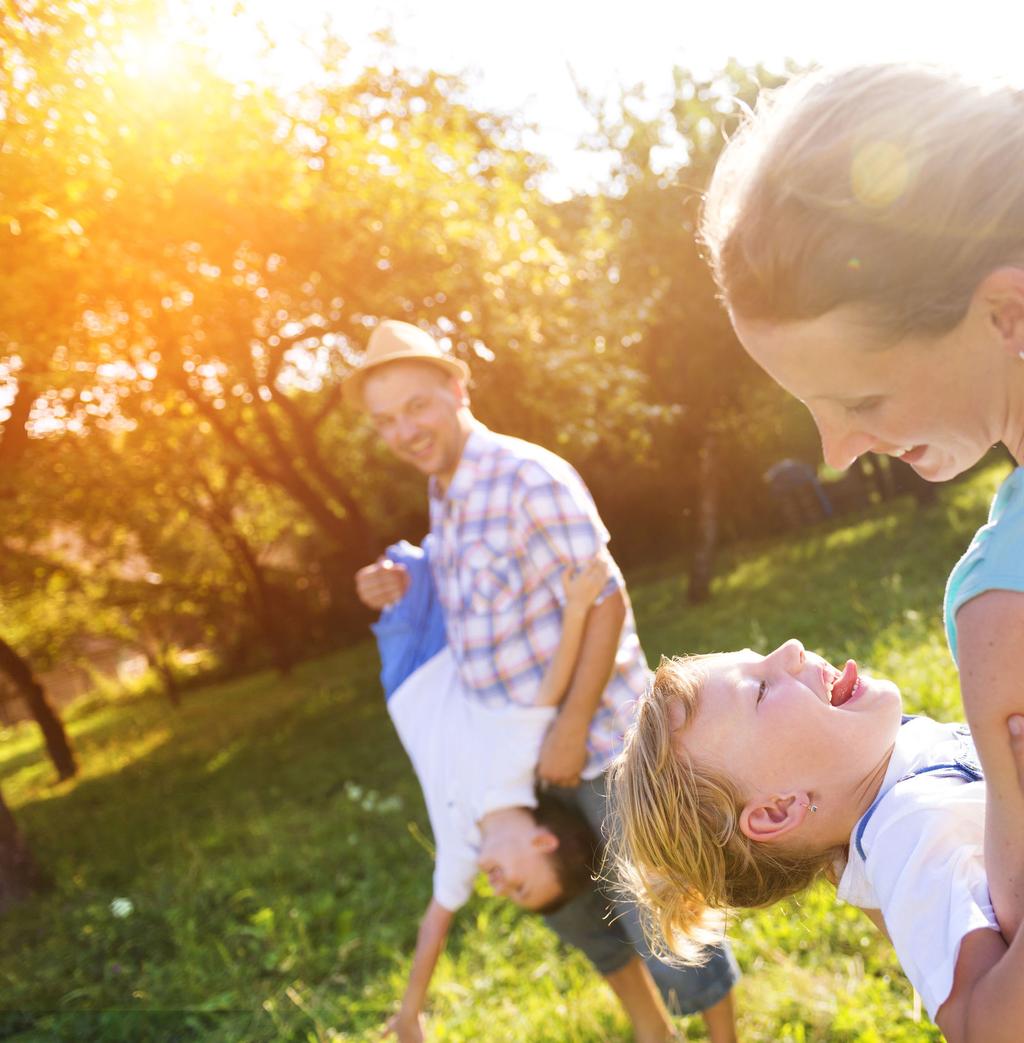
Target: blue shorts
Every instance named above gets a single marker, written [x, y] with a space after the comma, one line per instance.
[609, 932]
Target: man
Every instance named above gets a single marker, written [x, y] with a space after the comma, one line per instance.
[506, 518]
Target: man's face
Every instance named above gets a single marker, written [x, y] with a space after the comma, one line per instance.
[517, 861]
[421, 414]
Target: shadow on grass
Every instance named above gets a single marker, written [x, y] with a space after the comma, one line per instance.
[835, 587]
[254, 844]
[268, 846]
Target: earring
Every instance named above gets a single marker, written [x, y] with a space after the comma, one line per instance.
[811, 807]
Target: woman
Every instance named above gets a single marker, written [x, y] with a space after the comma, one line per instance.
[866, 228]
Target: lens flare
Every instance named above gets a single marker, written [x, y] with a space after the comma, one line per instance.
[879, 173]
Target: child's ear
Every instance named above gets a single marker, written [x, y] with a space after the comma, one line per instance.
[544, 841]
[770, 818]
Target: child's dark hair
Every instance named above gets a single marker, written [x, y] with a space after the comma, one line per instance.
[575, 858]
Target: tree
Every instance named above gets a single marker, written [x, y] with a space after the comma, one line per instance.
[716, 416]
[19, 873]
[242, 242]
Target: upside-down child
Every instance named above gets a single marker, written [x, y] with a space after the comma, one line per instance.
[745, 777]
[476, 767]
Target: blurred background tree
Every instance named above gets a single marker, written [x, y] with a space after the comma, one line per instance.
[192, 264]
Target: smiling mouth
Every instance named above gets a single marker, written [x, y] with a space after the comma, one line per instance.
[842, 687]
[910, 454]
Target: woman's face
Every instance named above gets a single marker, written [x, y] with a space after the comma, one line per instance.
[929, 401]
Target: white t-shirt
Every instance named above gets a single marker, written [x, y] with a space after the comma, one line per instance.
[470, 760]
[923, 843]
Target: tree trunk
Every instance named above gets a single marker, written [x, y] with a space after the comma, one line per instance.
[260, 595]
[20, 674]
[166, 672]
[703, 564]
[259, 591]
[19, 874]
[156, 652]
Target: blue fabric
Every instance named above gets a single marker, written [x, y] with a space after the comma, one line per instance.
[412, 630]
[995, 558]
[609, 932]
[966, 766]
[964, 770]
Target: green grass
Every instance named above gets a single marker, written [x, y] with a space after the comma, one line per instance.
[272, 842]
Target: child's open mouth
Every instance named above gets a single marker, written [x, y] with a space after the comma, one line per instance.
[845, 685]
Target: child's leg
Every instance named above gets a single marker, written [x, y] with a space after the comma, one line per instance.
[685, 990]
[639, 997]
[721, 1021]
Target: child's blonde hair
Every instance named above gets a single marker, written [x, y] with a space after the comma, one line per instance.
[676, 845]
[894, 187]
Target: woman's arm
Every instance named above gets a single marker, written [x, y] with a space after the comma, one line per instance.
[581, 589]
[407, 1023]
[990, 631]
[986, 1003]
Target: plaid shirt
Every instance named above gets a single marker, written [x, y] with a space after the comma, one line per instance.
[513, 517]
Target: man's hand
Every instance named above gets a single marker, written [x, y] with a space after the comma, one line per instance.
[407, 1028]
[381, 584]
[563, 754]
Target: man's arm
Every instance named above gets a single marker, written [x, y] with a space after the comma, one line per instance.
[990, 636]
[407, 1024]
[564, 752]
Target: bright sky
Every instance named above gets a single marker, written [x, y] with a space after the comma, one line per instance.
[519, 55]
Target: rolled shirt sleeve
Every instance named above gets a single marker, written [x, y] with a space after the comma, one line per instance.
[559, 526]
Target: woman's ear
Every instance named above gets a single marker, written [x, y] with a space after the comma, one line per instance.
[1000, 300]
[767, 819]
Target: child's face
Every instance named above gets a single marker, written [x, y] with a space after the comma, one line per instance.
[768, 722]
[516, 859]
[923, 400]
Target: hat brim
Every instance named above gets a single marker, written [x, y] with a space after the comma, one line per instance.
[352, 385]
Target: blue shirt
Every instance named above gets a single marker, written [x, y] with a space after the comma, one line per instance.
[412, 630]
[995, 558]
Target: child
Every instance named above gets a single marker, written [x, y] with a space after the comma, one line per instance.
[476, 767]
[745, 777]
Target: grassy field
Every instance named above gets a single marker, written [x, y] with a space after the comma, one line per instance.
[271, 853]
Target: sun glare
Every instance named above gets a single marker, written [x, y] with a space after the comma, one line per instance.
[150, 56]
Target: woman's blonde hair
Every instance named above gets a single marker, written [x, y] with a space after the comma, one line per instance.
[894, 187]
[676, 847]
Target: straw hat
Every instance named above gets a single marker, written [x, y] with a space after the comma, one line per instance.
[394, 341]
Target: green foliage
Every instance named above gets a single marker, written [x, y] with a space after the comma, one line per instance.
[274, 849]
[192, 265]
